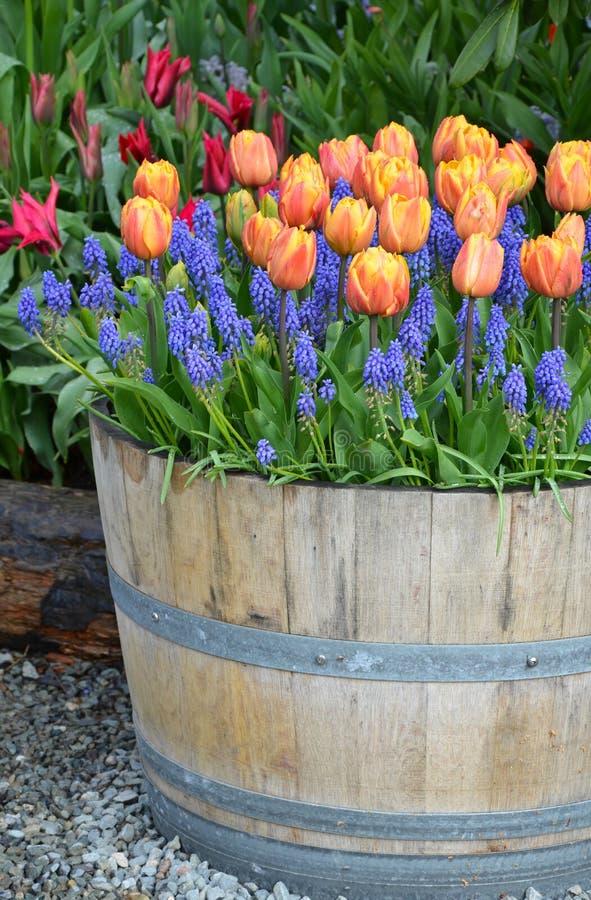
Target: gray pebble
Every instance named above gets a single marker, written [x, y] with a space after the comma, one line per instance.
[280, 891]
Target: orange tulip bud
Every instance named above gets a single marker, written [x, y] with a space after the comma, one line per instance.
[146, 227]
[350, 227]
[253, 161]
[571, 228]
[160, 180]
[339, 158]
[257, 233]
[378, 283]
[568, 177]
[516, 153]
[478, 267]
[504, 176]
[404, 223]
[395, 175]
[443, 142]
[292, 258]
[479, 209]
[551, 266]
[396, 140]
[453, 177]
[471, 139]
[303, 192]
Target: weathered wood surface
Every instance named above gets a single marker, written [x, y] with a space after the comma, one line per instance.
[401, 566]
[53, 579]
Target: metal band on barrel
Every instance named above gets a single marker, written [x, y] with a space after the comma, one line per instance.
[361, 822]
[353, 659]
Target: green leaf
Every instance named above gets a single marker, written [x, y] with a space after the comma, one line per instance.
[558, 10]
[37, 376]
[479, 49]
[180, 417]
[520, 118]
[67, 408]
[118, 20]
[507, 37]
[7, 63]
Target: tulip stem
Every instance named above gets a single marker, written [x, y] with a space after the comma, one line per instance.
[556, 322]
[373, 332]
[283, 348]
[341, 290]
[468, 344]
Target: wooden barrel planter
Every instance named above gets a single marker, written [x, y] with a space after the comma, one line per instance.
[349, 688]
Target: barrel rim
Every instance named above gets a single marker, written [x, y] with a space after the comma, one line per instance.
[114, 431]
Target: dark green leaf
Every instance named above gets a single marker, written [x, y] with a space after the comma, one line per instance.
[479, 49]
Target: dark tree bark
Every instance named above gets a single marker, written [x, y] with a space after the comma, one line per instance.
[54, 588]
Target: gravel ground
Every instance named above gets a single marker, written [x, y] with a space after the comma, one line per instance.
[74, 820]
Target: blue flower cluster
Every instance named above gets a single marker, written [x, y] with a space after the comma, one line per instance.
[114, 348]
[461, 321]
[515, 391]
[57, 294]
[94, 258]
[415, 331]
[265, 453]
[512, 289]
[495, 339]
[99, 295]
[28, 312]
[552, 389]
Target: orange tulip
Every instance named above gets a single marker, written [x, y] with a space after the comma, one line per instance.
[516, 152]
[292, 258]
[303, 192]
[404, 223]
[350, 227]
[508, 177]
[453, 177]
[568, 177]
[471, 139]
[253, 161]
[478, 267]
[160, 180]
[146, 227]
[571, 228]
[570, 148]
[378, 283]
[339, 158]
[257, 233]
[364, 172]
[396, 140]
[239, 208]
[443, 142]
[479, 209]
[551, 266]
[396, 175]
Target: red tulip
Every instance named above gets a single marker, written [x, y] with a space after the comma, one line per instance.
[278, 137]
[137, 144]
[35, 223]
[87, 138]
[185, 108]
[216, 170]
[188, 210]
[162, 75]
[43, 99]
[236, 114]
[5, 155]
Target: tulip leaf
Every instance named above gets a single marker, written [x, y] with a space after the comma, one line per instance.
[423, 45]
[507, 37]
[479, 49]
[122, 17]
[558, 10]
[521, 118]
[7, 63]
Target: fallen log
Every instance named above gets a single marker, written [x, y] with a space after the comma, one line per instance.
[54, 588]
